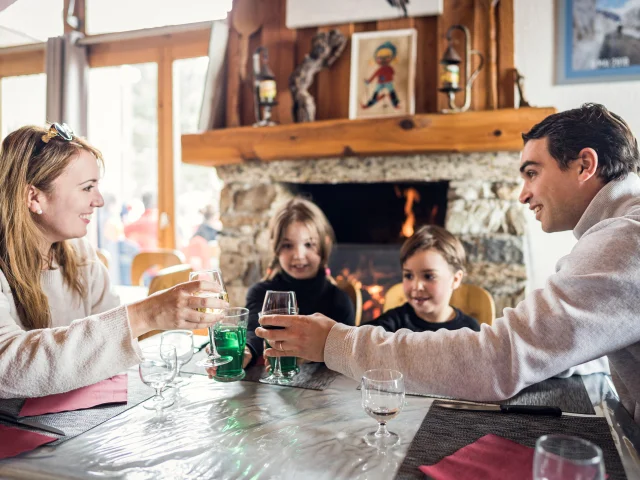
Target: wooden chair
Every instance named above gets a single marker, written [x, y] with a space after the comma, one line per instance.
[352, 289]
[473, 300]
[104, 256]
[161, 257]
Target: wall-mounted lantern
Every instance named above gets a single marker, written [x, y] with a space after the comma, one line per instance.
[450, 77]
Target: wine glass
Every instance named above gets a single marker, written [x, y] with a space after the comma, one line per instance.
[278, 303]
[562, 457]
[183, 341]
[214, 359]
[157, 369]
[382, 400]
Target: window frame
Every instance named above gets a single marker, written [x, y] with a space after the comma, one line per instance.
[160, 45]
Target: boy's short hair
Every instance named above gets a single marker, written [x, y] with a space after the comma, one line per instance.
[438, 238]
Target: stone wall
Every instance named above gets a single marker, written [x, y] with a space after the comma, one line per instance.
[483, 211]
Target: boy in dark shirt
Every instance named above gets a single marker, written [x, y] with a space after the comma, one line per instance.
[432, 268]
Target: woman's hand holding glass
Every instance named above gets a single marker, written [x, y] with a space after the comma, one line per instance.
[177, 308]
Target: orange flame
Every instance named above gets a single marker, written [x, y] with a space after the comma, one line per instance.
[412, 196]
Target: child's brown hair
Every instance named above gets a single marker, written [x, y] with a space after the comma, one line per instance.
[304, 211]
[438, 238]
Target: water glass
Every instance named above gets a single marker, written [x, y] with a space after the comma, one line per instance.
[183, 341]
[279, 303]
[214, 359]
[382, 400]
[157, 369]
[562, 457]
[230, 338]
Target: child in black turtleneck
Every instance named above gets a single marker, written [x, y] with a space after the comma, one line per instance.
[301, 240]
[432, 262]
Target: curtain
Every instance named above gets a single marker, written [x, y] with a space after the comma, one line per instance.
[67, 77]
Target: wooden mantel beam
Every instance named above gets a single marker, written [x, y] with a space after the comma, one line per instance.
[482, 131]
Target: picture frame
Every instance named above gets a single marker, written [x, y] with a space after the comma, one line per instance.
[383, 71]
[312, 13]
[599, 41]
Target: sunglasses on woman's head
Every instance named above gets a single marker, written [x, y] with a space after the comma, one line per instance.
[61, 130]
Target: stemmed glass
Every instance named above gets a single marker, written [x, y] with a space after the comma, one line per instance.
[278, 303]
[183, 341]
[382, 400]
[562, 457]
[157, 369]
[214, 359]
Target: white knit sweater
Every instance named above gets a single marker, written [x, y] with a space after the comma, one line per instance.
[89, 339]
[589, 308]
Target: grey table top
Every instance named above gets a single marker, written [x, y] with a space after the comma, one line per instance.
[251, 430]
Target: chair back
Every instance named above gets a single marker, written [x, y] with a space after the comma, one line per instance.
[161, 258]
[472, 300]
[104, 256]
[352, 289]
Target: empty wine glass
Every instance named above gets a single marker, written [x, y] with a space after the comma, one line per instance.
[214, 359]
[382, 399]
[278, 303]
[183, 341]
[157, 369]
[562, 457]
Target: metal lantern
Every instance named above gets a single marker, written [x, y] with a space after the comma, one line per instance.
[450, 77]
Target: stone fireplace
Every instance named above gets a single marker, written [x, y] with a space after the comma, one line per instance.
[480, 207]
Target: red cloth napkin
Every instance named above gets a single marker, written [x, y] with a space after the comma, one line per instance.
[111, 390]
[14, 441]
[490, 457]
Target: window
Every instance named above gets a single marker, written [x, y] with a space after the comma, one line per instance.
[30, 21]
[123, 15]
[198, 188]
[23, 101]
[123, 125]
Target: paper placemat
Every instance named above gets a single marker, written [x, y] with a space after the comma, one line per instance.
[569, 394]
[444, 431]
[79, 421]
[312, 376]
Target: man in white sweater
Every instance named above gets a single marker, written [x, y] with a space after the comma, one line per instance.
[580, 173]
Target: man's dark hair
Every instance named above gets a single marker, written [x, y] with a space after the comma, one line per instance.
[590, 126]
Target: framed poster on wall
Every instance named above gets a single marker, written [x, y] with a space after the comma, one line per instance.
[598, 40]
[311, 13]
[383, 69]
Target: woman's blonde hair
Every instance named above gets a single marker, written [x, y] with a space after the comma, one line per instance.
[438, 238]
[300, 210]
[26, 160]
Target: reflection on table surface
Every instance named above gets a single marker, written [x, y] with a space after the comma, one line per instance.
[253, 430]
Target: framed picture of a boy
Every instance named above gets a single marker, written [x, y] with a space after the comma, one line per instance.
[383, 65]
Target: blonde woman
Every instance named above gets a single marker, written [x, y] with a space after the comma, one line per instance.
[60, 326]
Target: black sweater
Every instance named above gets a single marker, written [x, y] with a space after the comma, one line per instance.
[314, 295]
[405, 316]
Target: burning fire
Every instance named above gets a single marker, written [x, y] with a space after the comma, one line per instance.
[412, 196]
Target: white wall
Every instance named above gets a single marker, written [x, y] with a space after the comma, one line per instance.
[535, 55]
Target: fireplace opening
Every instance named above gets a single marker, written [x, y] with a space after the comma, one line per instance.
[371, 221]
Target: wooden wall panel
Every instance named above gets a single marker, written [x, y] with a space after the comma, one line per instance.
[506, 58]
[332, 99]
[287, 49]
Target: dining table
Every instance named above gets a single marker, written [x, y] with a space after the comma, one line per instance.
[253, 430]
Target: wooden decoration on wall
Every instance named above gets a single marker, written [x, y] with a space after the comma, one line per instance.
[326, 47]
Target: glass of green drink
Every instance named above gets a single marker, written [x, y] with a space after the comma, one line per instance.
[282, 368]
[230, 338]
